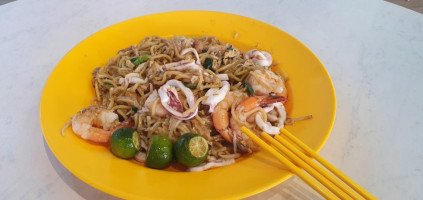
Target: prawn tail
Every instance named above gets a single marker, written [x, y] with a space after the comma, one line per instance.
[225, 133]
[265, 100]
[126, 123]
[97, 135]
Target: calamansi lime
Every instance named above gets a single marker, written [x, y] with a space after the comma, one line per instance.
[124, 142]
[160, 152]
[191, 149]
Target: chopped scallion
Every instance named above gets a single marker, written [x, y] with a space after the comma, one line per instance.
[249, 88]
[108, 85]
[192, 87]
[208, 64]
[138, 60]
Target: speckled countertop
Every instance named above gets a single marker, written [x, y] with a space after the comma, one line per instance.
[373, 51]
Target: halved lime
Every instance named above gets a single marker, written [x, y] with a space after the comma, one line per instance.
[124, 142]
[191, 149]
[160, 152]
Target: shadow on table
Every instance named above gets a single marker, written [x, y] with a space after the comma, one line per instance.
[83, 189]
[2, 2]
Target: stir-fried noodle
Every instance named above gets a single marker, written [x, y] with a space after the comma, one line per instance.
[173, 86]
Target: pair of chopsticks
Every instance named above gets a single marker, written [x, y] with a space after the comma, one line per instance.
[330, 186]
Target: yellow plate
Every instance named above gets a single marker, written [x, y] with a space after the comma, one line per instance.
[69, 89]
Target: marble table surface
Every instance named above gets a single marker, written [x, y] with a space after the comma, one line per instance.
[373, 51]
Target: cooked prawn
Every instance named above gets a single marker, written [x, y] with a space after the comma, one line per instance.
[245, 111]
[95, 123]
[220, 115]
[246, 114]
[253, 102]
[265, 82]
[228, 127]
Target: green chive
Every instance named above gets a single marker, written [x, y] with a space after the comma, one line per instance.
[192, 87]
[135, 109]
[138, 60]
[108, 85]
[249, 88]
[208, 64]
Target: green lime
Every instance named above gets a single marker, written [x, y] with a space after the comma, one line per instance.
[160, 152]
[191, 149]
[124, 142]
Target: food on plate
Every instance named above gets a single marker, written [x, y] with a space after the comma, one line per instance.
[185, 98]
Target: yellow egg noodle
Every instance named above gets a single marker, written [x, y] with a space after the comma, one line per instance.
[179, 85]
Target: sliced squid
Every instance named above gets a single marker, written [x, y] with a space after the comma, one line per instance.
[212, 164]
[183, 52]
[216, 95]
[266, 126]
[170, 100]
[132, 78]
[262, 58]
[140, 67]
[223, 77]
[181, 66]
[184, 64]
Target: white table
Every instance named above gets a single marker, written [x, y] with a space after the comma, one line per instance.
[373, 50]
